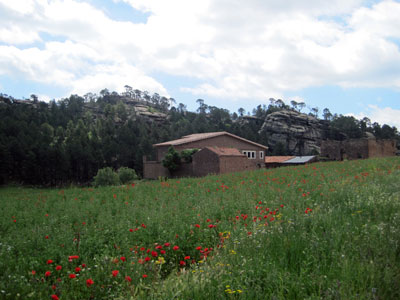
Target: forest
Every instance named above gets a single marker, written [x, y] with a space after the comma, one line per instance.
[67, 141]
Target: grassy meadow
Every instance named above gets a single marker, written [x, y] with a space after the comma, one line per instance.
[321, 231]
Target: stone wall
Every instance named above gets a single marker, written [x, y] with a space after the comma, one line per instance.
[357, 148]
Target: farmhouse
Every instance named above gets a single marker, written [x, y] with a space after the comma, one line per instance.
[219, 152]
[358, 148]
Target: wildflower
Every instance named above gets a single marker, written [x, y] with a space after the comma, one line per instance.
[89, 282]
[154, 253]
[167, 244]
[147, 258]
[72, 276]
[54, 297]
[77, 269]
[162, 251]
[182, 263]
[130, 229]
[53, 287]
[122, 258]
[58, 268]
[47, 273]
[197, 225]
[144, 276]
[144, 226]
[128, 278]
[198, 248]
[160, 261]
[175, 248]
[187, 257]
[33, 272]
[46, 237]
[83, 265]
[71, 257]
[115, 273]
[142, 248]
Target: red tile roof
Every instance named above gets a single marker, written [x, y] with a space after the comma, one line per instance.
[277, 159]
[203, 136]
[225, 151]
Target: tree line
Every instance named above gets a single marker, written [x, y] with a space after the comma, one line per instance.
[69, 140]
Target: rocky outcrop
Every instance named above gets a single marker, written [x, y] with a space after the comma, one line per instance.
[301, 134]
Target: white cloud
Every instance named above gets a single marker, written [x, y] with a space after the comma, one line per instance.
[237, 49]
[381, 115]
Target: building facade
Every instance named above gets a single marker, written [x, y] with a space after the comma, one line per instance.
[220, 152]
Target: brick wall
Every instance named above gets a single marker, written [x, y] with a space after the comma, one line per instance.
[154, 169]
[230, 164]
[205, 162]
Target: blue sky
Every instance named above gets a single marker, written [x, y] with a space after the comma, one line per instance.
[340, 54]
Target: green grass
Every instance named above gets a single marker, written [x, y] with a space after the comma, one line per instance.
[322, 231]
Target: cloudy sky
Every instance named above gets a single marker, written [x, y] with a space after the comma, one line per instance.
[339, 54]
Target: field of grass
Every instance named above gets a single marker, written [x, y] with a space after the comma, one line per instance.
[322, 231]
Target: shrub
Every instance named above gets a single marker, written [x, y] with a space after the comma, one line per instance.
[106, 176]
[126, 175]
[187, 154]
[172, 159]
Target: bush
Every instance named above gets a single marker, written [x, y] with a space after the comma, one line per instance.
[106, 176]
[172, 159]
[127, 175]
[187, 154]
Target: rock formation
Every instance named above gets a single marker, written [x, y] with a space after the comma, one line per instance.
[301, 134]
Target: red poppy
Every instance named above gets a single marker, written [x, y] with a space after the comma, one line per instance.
[71, 257]
[162, 251]
[47, 273]
[58, 268]
[72, 276]
[167, 244]
[142, 248]
[154, 253]
[131, 230]
[89, 282]
[83, 265]
[175, 248]
[33, 272]
[182, 263]
[115, 273]
[147, 258]
[77, 269]
[54, 297]
[158, 247]
[46, 237]
[198, 248]
[187, 257]
[144, 226]
[122, 258]
[128, 278]
[144, 276]
[53, 287]
[197, 225]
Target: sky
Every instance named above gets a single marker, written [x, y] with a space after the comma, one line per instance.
[343, 55]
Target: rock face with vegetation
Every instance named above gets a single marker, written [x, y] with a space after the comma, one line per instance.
[293, 132]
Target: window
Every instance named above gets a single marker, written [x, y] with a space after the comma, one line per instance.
[250, 154]
[261, 154]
